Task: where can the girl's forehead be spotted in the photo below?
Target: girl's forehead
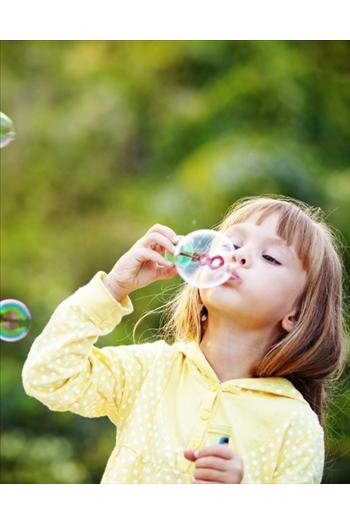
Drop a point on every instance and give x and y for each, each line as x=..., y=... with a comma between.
x=269, y=222
x=265, y=231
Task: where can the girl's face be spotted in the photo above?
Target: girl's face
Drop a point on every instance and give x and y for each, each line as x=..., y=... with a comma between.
x=266, y=282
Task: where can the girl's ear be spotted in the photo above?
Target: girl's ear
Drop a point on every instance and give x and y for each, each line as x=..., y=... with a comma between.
x=289, y=321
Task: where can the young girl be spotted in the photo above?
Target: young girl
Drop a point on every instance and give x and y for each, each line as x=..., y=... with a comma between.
x=247, y=366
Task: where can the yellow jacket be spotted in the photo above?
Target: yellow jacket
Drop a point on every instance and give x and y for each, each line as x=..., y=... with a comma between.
x=165, y=398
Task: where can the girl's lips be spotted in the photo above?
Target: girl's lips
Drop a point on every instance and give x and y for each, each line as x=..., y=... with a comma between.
x=234, y=277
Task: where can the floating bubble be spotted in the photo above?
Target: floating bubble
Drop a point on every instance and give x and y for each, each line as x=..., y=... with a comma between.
x=202, y=258
x=15, y=320
x=7, y=130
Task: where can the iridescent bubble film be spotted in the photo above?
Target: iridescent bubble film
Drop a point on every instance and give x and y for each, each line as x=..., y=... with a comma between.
x=202, y=258
x=7, y=130
x=15, y=320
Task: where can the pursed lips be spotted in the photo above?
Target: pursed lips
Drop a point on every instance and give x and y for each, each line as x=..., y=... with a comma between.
x=234, y=277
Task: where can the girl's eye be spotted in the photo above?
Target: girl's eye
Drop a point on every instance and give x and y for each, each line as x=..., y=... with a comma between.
x=271, y=260
x=236, y=247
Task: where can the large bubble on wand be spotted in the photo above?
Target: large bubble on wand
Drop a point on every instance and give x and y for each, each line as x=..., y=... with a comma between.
x=202, y=258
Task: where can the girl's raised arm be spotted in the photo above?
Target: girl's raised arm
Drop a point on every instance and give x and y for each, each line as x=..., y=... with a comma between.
x=64, y=368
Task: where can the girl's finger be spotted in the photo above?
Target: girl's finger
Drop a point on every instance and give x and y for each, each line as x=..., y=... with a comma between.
x=164, y=230
x=211, y=475
x=212, y=462
x=190, y=455
x=166, y=272
x=155, y=241
x=200, y=481
x=215, y=450
x=147, y=254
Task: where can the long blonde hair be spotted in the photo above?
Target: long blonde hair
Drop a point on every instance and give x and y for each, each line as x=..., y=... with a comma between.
x=313, y=350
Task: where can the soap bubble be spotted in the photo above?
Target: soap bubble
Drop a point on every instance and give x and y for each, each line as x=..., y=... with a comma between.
x=202, y=258
x=15, y=320
x=7, y=130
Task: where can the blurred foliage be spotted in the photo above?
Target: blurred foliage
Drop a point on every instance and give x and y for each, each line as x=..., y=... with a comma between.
x=113, y=136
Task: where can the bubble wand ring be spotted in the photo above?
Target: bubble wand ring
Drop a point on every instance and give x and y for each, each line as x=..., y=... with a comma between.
x=203, y=259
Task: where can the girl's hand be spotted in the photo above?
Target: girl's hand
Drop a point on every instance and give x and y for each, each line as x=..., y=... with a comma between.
x=143, y=263
x=216, y=464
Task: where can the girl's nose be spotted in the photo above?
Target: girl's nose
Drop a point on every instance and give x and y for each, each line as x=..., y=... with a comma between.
x=240, y=257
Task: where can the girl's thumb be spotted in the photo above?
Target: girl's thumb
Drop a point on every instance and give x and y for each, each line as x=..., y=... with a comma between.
x=191, y=455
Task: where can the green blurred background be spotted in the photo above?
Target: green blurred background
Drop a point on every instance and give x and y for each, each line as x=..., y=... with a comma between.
x=113, y=136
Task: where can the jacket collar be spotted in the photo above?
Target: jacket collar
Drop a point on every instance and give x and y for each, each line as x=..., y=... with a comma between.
x=278, y=386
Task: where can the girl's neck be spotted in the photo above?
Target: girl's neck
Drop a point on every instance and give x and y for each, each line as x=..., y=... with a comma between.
x=233, y=354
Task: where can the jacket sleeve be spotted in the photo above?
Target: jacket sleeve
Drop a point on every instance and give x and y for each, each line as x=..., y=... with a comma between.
x=301, y=458
x=65, y=371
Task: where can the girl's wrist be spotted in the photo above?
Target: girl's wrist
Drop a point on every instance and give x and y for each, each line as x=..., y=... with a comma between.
x=119, y=293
